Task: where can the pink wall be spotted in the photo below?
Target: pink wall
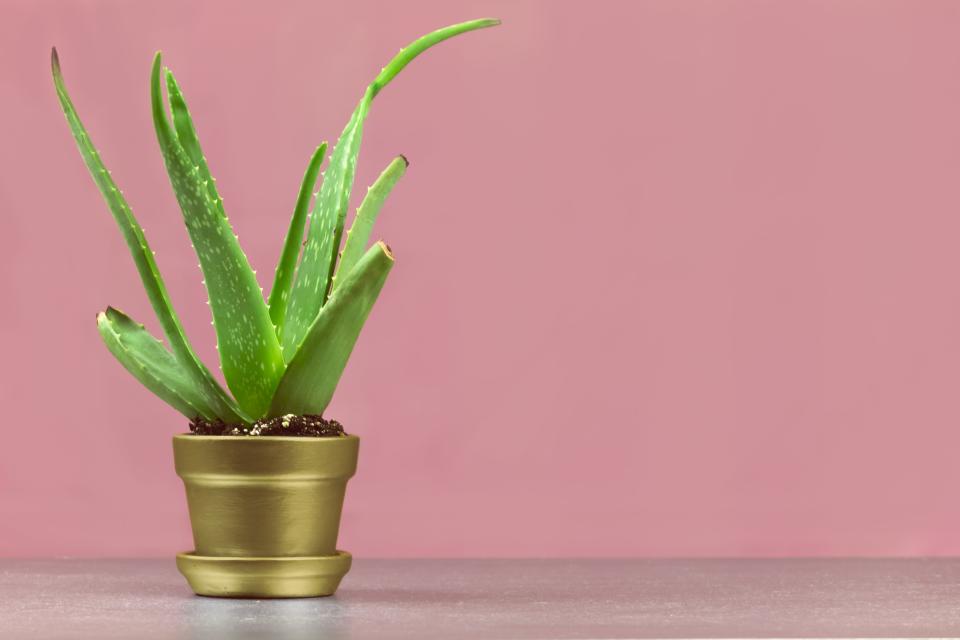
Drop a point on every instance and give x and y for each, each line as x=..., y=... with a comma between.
x=673, y=278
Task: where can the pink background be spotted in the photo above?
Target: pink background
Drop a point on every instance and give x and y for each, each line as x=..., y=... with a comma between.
x=672, y=279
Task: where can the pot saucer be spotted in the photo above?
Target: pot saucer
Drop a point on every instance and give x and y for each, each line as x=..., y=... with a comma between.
x=238, y=577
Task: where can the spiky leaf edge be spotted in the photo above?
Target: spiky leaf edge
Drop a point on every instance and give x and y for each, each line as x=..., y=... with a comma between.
x=287, y=264
x=187, y=136
x=312, y=376
x=151, y=363
x=223, y=405
x=250, y=355
x=359, y=233
x=313, y=278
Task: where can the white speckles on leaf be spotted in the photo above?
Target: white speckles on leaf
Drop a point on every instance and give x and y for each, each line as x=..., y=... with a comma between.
x=240, y=316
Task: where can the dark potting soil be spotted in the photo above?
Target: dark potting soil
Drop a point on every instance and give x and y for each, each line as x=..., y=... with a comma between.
x=308, y=426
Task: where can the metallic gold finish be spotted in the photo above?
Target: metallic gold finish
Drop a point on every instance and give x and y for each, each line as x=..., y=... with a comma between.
x=265, y=512
x=264, y=577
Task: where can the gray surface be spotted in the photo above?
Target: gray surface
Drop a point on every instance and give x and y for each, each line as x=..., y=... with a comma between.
x=498, y=599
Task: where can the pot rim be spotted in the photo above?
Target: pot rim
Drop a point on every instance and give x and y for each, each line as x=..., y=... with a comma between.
x=203, y=438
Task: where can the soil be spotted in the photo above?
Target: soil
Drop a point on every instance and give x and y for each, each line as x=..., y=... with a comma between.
x=307, y=426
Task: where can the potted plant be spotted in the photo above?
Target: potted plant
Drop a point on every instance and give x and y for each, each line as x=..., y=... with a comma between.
x=265, y=473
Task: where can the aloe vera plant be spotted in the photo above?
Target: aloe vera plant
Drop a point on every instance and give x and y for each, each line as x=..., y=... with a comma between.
x=284, y=355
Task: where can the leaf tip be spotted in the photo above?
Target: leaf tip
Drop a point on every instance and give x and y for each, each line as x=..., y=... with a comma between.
x=386, y=249
x=172, y=85
x=406, y=161
x=54, y=61
x=156, y=69
x=109, y=314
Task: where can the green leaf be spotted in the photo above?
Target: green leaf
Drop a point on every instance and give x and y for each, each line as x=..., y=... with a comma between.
x=313, y=276
x=313, y=374
x=411, y=51
x=149, y=361
x=312, y=284
x=214, y=396
x=250, y=353
x=287, y=265
x=187, y=135
x=359, y=234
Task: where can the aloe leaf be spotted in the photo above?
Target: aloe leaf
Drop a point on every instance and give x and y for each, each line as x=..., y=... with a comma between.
x=149, y=361
x=187, y=135
x=287, y=265
x=359, y=234
x=418, y=46
x=250, y=353
x=213, y=395
x=313, y=275
x=312, y=284
x=312, y=375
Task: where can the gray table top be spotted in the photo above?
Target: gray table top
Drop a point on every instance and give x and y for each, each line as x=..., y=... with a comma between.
x=499, y=599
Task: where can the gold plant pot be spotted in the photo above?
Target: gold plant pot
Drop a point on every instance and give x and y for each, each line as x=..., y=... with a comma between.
x=265, y=512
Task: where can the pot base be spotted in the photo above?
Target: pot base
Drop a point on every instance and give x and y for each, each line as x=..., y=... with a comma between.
x=295, y=577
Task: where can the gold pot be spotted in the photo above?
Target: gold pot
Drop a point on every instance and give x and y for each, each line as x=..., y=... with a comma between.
x=265, y=512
